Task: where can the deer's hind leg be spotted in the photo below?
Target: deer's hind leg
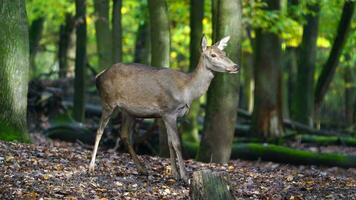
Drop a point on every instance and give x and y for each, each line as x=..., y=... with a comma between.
x=127, y=128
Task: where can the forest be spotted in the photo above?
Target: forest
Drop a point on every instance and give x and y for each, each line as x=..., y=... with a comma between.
x=168, y=99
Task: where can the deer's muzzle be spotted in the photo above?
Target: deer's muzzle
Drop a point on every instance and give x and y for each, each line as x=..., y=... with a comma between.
x=233, y=69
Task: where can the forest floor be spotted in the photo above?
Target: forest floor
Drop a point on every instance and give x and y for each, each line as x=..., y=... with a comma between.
x=54, y=169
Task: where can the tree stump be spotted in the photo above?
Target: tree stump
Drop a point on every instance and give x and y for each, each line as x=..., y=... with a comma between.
x=209, y=185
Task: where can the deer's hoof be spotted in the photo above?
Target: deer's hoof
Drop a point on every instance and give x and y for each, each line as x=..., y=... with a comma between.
x=91, y=168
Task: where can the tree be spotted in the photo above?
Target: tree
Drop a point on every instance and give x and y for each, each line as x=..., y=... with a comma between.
x=304, y=98
x=143, y=41
x=103, y=33
x=116, y=31
x=190, y=127
x=160, y=45
x=222, y=99
x=80, y=61
x=14, y=70
x=329, y=67
x=36, y=30
x=267, y=112
x=65, y=32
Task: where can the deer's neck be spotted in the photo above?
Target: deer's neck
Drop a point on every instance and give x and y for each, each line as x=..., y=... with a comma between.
x=199, y=81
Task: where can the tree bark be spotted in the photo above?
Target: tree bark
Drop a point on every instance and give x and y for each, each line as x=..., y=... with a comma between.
x=65, y=33
x=222, y=99
x=116, y=31
x=329, y=68
x=267, y=112
x=80, y=62
x=14, y=70
x=208, y=185
x=304, y=98
x=190, y=126
x=160, y=46
x=36, y=30
x=103, y=33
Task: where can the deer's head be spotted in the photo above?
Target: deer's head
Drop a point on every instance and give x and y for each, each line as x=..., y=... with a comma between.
x=215, y=58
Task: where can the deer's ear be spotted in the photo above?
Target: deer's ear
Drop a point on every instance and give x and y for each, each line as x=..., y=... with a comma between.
x=204, y=43
x=222, y=43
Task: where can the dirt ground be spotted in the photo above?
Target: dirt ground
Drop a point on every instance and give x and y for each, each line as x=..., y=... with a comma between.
x=58, y=170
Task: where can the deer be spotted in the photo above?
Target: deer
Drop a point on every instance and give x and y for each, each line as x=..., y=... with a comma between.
x=142, y=91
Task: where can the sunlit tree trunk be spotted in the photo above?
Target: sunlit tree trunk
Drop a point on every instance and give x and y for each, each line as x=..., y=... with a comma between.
x=304, y=97
x=65, y=32
x=36, y=30
x=329, y=68
x=80, y=61
x=190, y=125
x=267, y=112
x=160, y=44
x=116, y=31
x=222, y=99
x=14, y=70
x=103, y=33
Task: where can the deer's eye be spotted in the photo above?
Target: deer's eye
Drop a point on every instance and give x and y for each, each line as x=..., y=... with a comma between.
x=213, y=55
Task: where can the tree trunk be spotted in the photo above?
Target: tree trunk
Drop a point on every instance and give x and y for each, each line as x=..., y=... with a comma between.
x=160, y=45
x=329, y=68
x=65, y=33
x=80, y=62
x=14, y=70
x=222, y=99
x=304, y=98
x=350, y=95
x=116, y=31
x=36, y=30
x=291, y=65
x=103, y=33
x=190, y=126
x=248, y=81
x=267, y=113
x=208, y=185
x=143, y=42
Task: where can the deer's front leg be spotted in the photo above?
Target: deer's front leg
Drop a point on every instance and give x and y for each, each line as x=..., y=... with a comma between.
x=172, y=133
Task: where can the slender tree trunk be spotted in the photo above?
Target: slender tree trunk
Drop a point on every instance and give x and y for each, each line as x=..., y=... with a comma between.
x=116, y=31
x=63, y=45
x=248, y=80
x=36, y=30
x=291, y=64
x=222, y=99
x=190, y=127
x=103, y=33
x=80, y=61
x=160, y=44
x=14, y=70
x=267, y=112
x=143, y=44
x=304, y=98
x=329, y=68
x=350, y=94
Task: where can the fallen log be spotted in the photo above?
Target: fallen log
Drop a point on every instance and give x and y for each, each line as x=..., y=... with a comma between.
x=71, y=133
x=328, y=140
x=280, y=154
x=301, y=128
x=208, y=185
